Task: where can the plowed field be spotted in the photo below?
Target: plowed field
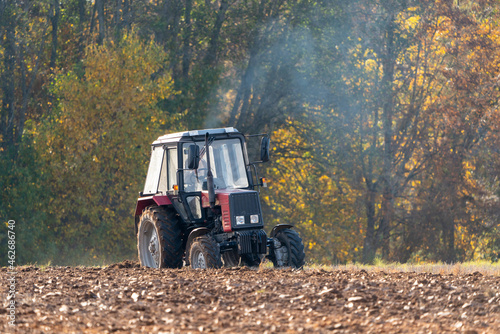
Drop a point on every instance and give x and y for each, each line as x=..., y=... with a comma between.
x=125, y=298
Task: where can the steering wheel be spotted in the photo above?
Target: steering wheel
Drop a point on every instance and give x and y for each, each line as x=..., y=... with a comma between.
x=192, y=177
x=200, y=170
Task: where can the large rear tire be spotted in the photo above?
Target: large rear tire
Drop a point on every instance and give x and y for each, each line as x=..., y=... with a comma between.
x=159, y=239
x=288, y=250
x=204, y=253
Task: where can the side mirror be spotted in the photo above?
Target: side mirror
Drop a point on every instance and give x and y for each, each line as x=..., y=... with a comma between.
x=264, y=149
x=193, y=157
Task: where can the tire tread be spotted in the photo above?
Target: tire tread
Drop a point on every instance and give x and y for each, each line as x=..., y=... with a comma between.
x=211, y=250
x=169, y=233
x=295, y=246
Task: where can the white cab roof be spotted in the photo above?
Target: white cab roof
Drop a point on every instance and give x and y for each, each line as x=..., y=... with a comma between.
x=173, y=137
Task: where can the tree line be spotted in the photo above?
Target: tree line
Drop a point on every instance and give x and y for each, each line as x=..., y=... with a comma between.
x=383, y=117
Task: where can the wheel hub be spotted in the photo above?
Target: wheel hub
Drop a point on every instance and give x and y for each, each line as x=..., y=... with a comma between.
x=200, y=261
x=281, y=253
x=153, y=248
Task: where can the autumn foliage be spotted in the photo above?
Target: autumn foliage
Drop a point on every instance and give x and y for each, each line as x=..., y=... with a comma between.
x=383, y=117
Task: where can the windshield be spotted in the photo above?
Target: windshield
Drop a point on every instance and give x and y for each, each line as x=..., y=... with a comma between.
x=227, y=164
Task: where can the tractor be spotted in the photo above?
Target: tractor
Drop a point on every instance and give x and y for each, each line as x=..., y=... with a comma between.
x=200, y=206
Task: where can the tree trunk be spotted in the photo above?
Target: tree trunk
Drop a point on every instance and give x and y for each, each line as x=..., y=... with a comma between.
x=26, y=89
x=100, y=18
x=186, y=51
x=127, y=14
x=387, y=118
x=8, y=83
x=81, y=32
x=211, y=55
x=170, y=37
x=92, y=22
x=241, y=102
x=118, y=21
x=54, y=19
x=449, y=240
x=243, y=96
x=369, y=243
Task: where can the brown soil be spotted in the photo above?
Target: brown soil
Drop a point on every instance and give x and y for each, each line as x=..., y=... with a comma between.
x=126, y=298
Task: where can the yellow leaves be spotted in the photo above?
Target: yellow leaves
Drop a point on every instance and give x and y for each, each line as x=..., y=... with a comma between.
x=324, y=178
x=370, y=65
x=468, y=166
x=309, y=198
x=410, y=22
x=415, y=183
x=96, y=144
x=469, y=177
x=441, y=51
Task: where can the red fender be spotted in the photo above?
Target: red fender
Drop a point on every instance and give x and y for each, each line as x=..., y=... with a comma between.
x=143, y=202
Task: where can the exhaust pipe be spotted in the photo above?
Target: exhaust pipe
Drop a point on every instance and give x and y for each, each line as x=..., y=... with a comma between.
x=210, y=176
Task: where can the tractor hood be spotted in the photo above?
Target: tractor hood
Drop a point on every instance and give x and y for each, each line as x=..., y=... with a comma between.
x=240, y=208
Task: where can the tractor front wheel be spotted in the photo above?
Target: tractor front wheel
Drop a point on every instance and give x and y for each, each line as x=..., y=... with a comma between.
x=204, y=253
x=159, y=239
x=288, y=249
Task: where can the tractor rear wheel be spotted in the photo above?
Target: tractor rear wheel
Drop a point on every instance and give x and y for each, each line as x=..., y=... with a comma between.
x=159, y=239
x=288, y=249
x=204, y=253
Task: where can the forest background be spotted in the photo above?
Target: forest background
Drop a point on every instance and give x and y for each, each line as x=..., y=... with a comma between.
x=384, y=119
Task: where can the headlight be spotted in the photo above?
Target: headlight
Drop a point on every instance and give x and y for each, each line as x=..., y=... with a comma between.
x=240, y=220
x=254, y=219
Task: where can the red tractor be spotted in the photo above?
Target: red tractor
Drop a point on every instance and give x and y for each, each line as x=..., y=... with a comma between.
x=199, y=206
